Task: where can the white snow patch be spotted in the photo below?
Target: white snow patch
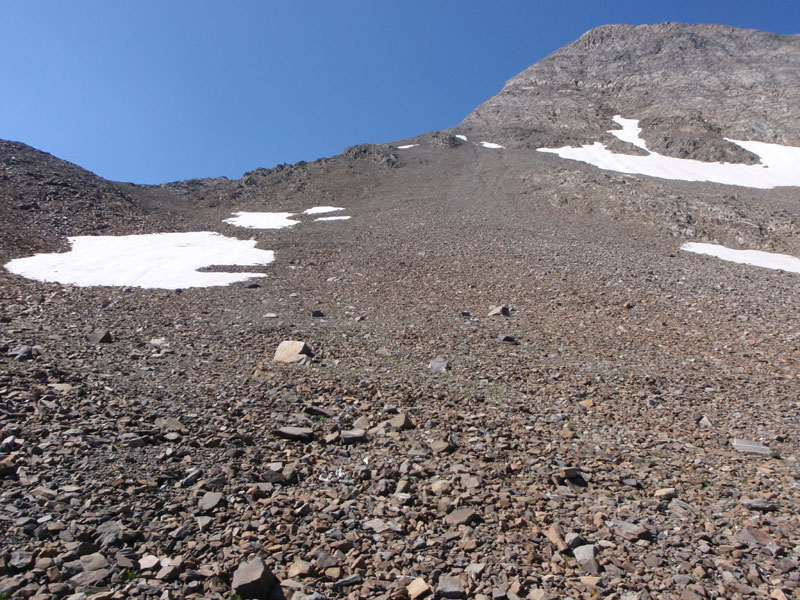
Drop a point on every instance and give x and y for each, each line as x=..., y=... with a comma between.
x=407, y=146
x=768, y=260
x=629, y=133
x=262, y=220
x=321, y=209
x=780, y=165
x=462, y=137
x=492, y=145
x=158, y=260
x=332, y=218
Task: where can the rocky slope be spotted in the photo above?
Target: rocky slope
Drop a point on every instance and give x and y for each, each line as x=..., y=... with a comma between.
x=577, y=444
x=690, y=86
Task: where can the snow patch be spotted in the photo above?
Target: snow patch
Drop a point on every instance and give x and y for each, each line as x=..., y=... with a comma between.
x=342, y=218
x=757, y=258
x=462, y=137
x=407, y=146
x=492, y=145
x=262, y=220
x=630, y=132
x=159, y=260
x=780, y=165
x=321, y=209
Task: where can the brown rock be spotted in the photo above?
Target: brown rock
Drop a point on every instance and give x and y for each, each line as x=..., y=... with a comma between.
x=461, y=516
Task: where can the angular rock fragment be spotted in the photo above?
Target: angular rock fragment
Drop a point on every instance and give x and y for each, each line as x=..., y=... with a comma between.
x=499, y=311
x=439, y=365
x=291, y=351
x=759, y=504
x=297, y=434
x=750, y=447
x=401, y=421
x=556, y=537
x=586, y=556
x=353, y=436
x=461, y=516
x=417, y=589
x=450, y=587
x=630, y=531
x=210, y=501
x=253, y=579
x=100, y=336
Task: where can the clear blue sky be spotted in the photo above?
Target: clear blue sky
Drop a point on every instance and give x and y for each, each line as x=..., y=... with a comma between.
x=158, y=90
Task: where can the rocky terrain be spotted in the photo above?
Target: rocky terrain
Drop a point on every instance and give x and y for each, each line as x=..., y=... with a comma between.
x=520, y=387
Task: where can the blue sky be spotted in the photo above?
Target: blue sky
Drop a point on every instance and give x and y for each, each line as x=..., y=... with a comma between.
x=154, y=91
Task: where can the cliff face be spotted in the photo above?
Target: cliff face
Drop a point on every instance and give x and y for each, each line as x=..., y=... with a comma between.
x=689, y=84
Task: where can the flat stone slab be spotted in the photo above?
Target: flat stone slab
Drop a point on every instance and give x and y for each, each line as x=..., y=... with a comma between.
x=253, y=579
x=461, y=516
x=439, y=365
x=750, y=447
x=297, y=434
x=450, y=587
x=292, y=351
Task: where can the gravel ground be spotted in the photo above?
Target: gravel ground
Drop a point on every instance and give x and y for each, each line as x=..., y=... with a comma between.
x=577, y=444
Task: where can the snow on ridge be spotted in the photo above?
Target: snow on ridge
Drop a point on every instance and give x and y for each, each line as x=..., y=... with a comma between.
x=155, y=261
x=262, y=220
x=316, y=210
x=407, y=146
x=492, y=145
x=463, y=138
x=778, y=167
x=337, y=218
x=757, y=258
x=630, y=131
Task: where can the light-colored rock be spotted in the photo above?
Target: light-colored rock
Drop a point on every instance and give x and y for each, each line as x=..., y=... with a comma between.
x=587, y=558
x=417, y=589
x=292, y=351
x=750, y=447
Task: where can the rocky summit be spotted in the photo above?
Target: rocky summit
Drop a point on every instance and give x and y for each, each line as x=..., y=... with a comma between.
x=520, y=385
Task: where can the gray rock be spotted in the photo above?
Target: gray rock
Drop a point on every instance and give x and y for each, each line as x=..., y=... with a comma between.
x=100, y=336
x=210, y=501
x=252, y=579
x=353, y=436
x=348, y=581
x=499, y=311
x=586, y=556
x=759, y=504
x=750, y=447
x=439, y=365
x=297, y=434
x=21, y=353
x=450, y=587
x=630, y=531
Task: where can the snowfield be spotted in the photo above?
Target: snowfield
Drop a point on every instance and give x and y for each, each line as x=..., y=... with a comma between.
x=262, y=220
x=757, y=258
x=318, y=210
x=780, y=165
x=159, y=260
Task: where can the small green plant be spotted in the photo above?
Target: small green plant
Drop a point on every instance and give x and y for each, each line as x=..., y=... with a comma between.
x=5, y=596
x=235, y=596
x=129, y=575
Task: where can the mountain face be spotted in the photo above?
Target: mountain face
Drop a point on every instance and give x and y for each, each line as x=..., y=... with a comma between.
x=524, y=384
x=689, y=85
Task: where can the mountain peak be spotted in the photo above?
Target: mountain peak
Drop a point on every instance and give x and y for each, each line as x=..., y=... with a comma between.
x=697, y=79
